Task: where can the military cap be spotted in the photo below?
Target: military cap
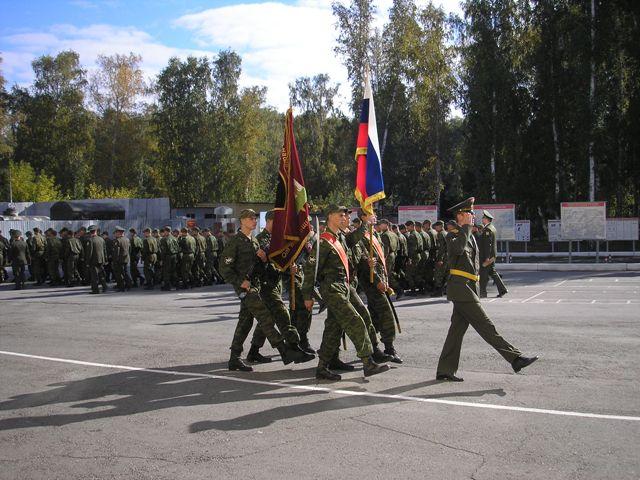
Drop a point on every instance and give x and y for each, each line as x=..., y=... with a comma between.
x=438, y=223
x=92, y=228
x=466, y=206
x=408, y=223
x=333, y=208
x=248, y=213
x=385, y=221
x=271, y=214
x=356, y=221
x=196, y=229
x=184, y=230
x=452, y=223
x=16, y=233
x=132, y=230
x=118, y=228
x=29, y=233
x=205, y=230
x=147, y=229
x=155, y=230
x=487, y=214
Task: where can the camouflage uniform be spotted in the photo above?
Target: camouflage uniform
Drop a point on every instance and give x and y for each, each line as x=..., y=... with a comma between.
x=120, y=262
x=489, y=249
x=149, y=259
x=135, y=253
x=414, y=254
x=441, y=266
x=169, y=250
x=188, y=249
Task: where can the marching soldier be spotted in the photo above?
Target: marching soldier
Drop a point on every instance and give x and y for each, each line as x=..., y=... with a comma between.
x=199, y=261
x=211, y=257
x=121, y=258
x=149, y=258
x=378, y=302
x=424, y=257
x=4, y=253
x=431, y=261
x=241, y=257
x=155, y=233
x=72, y=258
x=462, y=290
x=108, y=256
x=135, y=252
x=401, y=259
x=488, y=255
x=334, y=278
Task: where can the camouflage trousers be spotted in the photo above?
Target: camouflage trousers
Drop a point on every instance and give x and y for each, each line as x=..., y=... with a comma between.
x=381, y=313
x=53, y=269
x=343, y=316
x=169, y=274
x=96, y=272
x=274, y=323
x=465, y=314
x=186, y=264
x=211, y=273
x=135, y=272
x=39, y=268
x=71, y=268
x=300, y=316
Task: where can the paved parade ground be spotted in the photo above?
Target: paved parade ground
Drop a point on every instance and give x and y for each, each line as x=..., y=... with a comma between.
x=135, y=386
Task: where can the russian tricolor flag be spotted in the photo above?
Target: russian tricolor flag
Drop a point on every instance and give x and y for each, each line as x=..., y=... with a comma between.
x=369, y=181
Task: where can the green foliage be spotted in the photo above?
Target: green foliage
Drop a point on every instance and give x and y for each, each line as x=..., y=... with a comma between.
x=27, y=186
x=96, y=191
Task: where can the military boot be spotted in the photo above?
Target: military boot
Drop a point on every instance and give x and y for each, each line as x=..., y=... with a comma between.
x=236, y=363
x=304, y=345
x=255, y=356
x=293, y=353
x=373, y=368
x=337, y=364
x=323, y=372
x=389, y=350
x=380, y=357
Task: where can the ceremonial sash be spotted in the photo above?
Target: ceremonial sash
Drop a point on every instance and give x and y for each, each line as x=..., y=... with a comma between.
x=337, y=246
x=379, y=250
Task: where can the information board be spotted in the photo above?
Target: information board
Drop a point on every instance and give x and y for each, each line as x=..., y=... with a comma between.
x=504, y=219
x=523, y=231
x=622, y=228
x=553, y=229
x=583, y=220
x=417, y=213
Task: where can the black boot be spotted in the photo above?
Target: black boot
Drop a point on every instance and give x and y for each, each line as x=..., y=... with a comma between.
x=373, y=368
x=337, y=364
x=293, y=353
x=522, y=362
x=323, y=373
x=304, y=345
x=389, y=350
x=254, y=355
x=380, y=357
x=236, y=363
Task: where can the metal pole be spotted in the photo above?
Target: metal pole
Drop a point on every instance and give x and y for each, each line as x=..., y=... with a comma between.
x=597, y=251
x=570, y=251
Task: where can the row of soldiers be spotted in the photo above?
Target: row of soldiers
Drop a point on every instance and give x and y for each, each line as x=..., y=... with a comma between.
x=416, y=255
x=170, y=257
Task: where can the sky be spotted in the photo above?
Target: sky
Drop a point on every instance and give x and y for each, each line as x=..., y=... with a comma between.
x=279, y=41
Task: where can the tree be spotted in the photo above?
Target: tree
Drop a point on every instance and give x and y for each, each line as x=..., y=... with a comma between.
x=27, y=186
x=184, y=128
x=53, y=130
x=115, y=89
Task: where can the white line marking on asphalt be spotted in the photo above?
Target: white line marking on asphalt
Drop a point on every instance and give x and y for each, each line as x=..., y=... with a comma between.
x=492, y=300
x=384, y=396
x=593, y=301
x=559, y=301
x=558, y=284
x=534, y=296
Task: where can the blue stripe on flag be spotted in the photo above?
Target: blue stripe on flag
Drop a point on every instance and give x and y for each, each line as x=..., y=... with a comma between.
x=364, y=111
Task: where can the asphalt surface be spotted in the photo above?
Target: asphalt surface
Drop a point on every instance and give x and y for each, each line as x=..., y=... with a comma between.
x=135, y=386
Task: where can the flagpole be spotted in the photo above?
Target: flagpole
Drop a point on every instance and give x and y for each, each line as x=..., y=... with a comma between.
x=371, y=252
x=292, y=289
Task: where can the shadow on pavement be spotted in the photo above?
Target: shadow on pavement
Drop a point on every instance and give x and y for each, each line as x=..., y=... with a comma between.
x=132, y=392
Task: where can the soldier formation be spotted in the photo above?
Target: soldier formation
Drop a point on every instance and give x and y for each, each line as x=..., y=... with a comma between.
x=170, y=258
x=338, y=263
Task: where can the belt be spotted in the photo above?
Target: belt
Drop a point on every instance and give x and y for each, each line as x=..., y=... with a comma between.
x=462, y=273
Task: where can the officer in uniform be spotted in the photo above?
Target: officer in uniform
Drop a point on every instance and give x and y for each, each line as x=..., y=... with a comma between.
x=187, y=255
x=19, y=257
x=462, y=290
x=242, y=265
x=135, y=243
x=121, y=258
x=211, y=257
x=440, y=271
x=333, y=276
x=72, y=258
x=488, y=255
x=149, y=258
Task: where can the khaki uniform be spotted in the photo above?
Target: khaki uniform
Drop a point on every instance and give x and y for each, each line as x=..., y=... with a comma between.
x=489, y=249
